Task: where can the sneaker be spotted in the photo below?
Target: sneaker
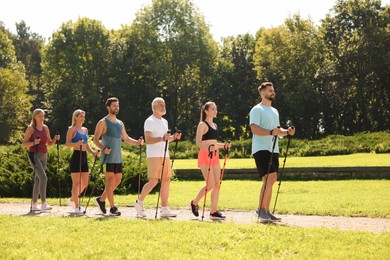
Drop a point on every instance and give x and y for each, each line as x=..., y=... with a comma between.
x=34, y=207
x=101, y=204
x=194, y=209
x=264, y=217
x=79, y=210
x=114, y=211
x=273, y=218
x=71, y=204
x=166, y=213
x=217, y=215
x=45, y=206
x=139, y=206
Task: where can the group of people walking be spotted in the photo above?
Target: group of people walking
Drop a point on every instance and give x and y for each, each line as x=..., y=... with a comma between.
x=108, y=136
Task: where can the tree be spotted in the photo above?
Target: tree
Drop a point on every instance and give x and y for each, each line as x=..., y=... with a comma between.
x=14, y=103
x=289, y=56
x=234, y=87
x=355, y=74
x=76, y=66
x=168, y=52
x=28, y=50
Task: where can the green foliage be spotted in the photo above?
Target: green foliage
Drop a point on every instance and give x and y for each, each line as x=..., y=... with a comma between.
x=14, y=103
x=28, y=46
x=75, y=71
x=329, y=79
x=290, y=56
x=354, y=77
x=17, y=177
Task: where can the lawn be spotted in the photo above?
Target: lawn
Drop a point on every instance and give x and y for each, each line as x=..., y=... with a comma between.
x=117, y=238
x=359, y=159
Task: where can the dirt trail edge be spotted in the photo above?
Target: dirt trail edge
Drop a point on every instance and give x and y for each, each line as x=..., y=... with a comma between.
x=374, y=225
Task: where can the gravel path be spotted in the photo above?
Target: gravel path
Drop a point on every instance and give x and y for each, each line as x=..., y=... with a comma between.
x=374, y=225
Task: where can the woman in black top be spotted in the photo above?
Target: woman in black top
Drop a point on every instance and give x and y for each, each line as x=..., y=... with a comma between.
x=206, y=140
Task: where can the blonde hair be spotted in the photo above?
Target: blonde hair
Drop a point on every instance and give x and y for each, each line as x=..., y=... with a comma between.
x=75, y=114
x=155, y=101
x=34, y=114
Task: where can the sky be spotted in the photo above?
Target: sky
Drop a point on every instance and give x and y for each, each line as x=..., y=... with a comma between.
x=225, y=17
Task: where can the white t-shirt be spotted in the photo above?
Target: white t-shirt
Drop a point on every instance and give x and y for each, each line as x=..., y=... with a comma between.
x=158, y=127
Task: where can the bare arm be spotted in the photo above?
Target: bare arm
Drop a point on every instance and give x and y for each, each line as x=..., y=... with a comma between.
x=27, y=135
x=200, y=131
x=50, y=141
x=99, y=131
x=128, y=139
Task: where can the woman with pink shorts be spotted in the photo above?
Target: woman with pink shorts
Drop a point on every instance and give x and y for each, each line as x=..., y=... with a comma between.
x=206, y=140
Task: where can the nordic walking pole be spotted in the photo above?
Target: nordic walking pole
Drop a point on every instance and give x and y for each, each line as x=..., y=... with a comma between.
x=58, y=166
x=81, y=148
x=140, y=162
x=162, y=174
x=34, y=161
x=174, y=151
x=224, y=164
x=207, y=180
x=281, y=173
x=93, y=187
x=269, y=168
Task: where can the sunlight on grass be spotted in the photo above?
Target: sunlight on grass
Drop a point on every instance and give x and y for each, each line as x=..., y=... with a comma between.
x=116, y=238
x=334, y=198
x=360, y=159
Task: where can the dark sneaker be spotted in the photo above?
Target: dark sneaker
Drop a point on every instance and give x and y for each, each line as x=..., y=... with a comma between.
x=114, y=211
x=194, y=209
x=264, y=217
x=101, y=204
x=217, y=215
x=273, y=218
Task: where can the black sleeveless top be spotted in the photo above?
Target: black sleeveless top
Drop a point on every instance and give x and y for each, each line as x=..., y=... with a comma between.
x=210, y=134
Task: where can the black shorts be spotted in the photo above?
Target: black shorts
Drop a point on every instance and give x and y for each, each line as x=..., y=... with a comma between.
x=114, y=167
x=75, y=162
x=262, y=162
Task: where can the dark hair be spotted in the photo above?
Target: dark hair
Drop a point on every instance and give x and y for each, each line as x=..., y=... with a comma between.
x=110, y=100
x=203, y=110
x=264, y=85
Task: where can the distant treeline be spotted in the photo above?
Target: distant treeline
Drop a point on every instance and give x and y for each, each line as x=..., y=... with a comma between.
x=329, y=79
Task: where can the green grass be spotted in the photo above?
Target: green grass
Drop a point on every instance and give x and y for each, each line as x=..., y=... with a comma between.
x=359, y=159
x=116, y=238
x=334, y=198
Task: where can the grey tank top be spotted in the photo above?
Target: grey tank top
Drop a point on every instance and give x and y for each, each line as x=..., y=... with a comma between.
x=112, y=139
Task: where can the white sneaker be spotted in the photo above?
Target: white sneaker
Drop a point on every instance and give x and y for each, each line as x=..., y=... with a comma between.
x=166, y=213
x=34, y=207
x=139, y=206
x=45, y=206
x=79, y=210
x=71, y=204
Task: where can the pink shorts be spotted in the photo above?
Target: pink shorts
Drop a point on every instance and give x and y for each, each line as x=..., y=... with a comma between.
x=203, y=158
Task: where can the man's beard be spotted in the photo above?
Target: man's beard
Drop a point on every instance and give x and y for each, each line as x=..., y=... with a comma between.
x=114, y=112
x=270, y=98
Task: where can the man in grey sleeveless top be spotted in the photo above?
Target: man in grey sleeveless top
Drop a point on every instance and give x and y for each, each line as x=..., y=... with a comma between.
x=111, y=130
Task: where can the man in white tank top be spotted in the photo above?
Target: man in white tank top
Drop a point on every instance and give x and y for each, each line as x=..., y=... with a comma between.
x=156, y=135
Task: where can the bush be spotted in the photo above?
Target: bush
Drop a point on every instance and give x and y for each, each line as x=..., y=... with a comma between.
x=16, y=175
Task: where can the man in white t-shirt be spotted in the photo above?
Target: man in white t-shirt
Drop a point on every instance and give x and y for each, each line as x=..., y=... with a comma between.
x=156, y=135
